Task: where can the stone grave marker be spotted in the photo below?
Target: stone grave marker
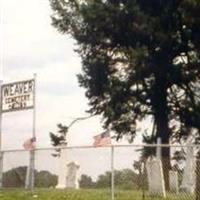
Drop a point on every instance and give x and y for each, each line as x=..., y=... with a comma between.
x=72, y=178
x=189, y=175
x=62, y=173
x=173, y=181
x=155, y=177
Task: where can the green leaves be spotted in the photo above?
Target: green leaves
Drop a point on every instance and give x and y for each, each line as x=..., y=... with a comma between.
x=60, y=137
x=138, y=58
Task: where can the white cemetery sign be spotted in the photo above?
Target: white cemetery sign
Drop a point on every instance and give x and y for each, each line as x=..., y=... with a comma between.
x=189, y=175
x=72, y=178
x=155, y=177
x=173, y=181
x=17, y=96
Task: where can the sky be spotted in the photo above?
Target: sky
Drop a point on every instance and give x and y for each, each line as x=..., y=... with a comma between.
x=29, y=44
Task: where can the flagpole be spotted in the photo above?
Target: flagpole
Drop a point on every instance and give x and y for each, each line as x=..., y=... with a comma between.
x=1, y=153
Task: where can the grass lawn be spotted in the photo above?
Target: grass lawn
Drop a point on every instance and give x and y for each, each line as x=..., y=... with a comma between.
x=52, y=194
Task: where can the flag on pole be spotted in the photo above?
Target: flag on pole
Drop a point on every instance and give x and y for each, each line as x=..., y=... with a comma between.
x=30, y=144
x=102, y=139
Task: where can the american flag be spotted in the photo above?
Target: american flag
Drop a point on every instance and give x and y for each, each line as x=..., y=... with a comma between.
x=102, y=139
x=30, y=144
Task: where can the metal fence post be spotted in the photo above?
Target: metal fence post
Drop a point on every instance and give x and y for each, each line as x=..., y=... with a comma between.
x=32, y=167
x=1, y=169
x=112, y=174
x=198, y=178
x=1, y=153
x=30, y=174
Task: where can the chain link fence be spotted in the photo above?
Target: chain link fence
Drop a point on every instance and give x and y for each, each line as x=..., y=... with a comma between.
x=118, y=172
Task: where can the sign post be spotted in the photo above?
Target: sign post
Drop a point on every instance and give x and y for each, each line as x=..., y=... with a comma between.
x=32, y=152
x=18, y=96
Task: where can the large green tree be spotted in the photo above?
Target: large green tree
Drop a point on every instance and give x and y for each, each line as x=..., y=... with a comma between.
x=124, y=179
x=86, y=182
x=139, y=58
x=16, y=177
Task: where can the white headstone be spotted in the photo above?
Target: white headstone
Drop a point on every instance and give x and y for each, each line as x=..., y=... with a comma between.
x=155, y=177
x=158, y=148
x=62, y=169
x=72, y=178
x=173, y=181
x=189, y=175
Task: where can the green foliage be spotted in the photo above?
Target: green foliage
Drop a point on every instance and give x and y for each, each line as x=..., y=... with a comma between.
x=124, y=179
x=104, y=180
x=139, y=58
x=52, y=194
x=60, y=137
x=45, y=179
x=86, y=182
x=16, y=178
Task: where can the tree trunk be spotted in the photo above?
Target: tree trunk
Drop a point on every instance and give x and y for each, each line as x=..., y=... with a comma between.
x=163, y=133
x=166, y=167
x=162, y=127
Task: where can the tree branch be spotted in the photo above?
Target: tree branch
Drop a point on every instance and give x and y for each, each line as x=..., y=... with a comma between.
x=79, y=119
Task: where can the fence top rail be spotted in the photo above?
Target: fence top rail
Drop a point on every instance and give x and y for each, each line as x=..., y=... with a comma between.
x=111, y=146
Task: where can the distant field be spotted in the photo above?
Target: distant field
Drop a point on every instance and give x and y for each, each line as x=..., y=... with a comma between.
x=51, y=194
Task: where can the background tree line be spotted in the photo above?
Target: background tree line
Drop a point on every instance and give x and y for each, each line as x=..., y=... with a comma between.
x=16, y=178
x=124, y=179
